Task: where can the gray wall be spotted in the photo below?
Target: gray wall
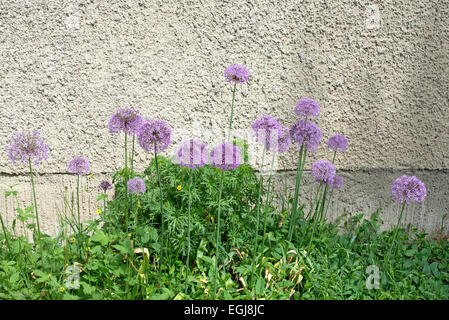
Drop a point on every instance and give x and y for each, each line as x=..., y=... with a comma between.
x=379, y=70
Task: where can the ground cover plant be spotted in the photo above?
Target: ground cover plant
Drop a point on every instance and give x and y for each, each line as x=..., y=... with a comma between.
x=205, y=224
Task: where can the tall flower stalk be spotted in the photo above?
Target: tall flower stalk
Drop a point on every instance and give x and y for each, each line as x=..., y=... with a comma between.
x=235, y=74
x=78, y=166
x=225, y=156
x=308, y=136
x=127, y=120
x=135, y=187
x=28, y=147
x=154, y=136
x=406, y=189
x=192, y=155
x=274, y=137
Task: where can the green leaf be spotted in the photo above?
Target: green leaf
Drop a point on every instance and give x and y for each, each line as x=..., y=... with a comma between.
x=121, y=248
x=100, y=236
x=260, y=285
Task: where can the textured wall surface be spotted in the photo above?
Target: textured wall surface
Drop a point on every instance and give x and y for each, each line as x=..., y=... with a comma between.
x=379, y=69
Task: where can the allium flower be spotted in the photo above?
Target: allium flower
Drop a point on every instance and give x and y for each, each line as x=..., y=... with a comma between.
x=337, y=142
x=225, y=156
x=127, y=120
x=136, y=186
x=307, y=107
x=323, y=171
x=307, y=133
x=284, y=140
x=78, y=165
x=154, y=135
x=336, y=182
x=105, y=186
x=408, y=189
x=267, y=130
x=191, y=154
x=236, y=74
x=27, y=145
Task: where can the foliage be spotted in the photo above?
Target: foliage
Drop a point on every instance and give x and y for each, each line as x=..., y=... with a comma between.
x=323, y=260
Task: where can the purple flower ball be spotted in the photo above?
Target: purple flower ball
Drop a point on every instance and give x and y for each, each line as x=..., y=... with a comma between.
x=191, y=154
x=307, y=108
x=225, y=156
x=323, y=171
x=127, y=120
x=105, y=186
x=267, y=130
x=236, y=74
x=136, y=186
x=154, y=135
x=307, y=133
x=79, y=166
x=408, y=189
x=336, y=182
x=27, y=145
x=337, y=142
x=284, y=140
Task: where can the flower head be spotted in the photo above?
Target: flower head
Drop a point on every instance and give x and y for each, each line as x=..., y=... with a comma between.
x=136, y=186
x=191, y=154
x=105, y=186
x=266, y=129
x=323, y=171
x=408, y=189
x=27, y=145
x=307, y=133
x=284, y=140
x=236, y=74
x=78, y=165
x=179, y=188
x=337, y=142
x=307, y=108
x=336, y=182
x=225, y=156
x=154, y=135
x=127, y=120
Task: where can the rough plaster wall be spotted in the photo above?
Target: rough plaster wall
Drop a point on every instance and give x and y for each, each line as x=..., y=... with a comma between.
x=379, y=70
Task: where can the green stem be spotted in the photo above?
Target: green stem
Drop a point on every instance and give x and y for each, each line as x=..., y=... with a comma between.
x=232, y=111
x=397, y=229
x=323, y=201
x=4, y=233
x=217, y=242
x=299, y=172
x=162, y=216
x=132, y=155
x=266, y=203
x=314, y=201
x=258, y=215
x=78, y=203
x=328, y=202
x=126, y=159
x=188, y=231
x=35, y=201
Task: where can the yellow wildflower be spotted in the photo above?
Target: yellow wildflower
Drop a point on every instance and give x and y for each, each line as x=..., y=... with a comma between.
x=62, y=289
x=179, y=187
x=99, y=211
x=73, y=239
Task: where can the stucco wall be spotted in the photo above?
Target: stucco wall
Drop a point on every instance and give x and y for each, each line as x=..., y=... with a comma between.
x=379, y=69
